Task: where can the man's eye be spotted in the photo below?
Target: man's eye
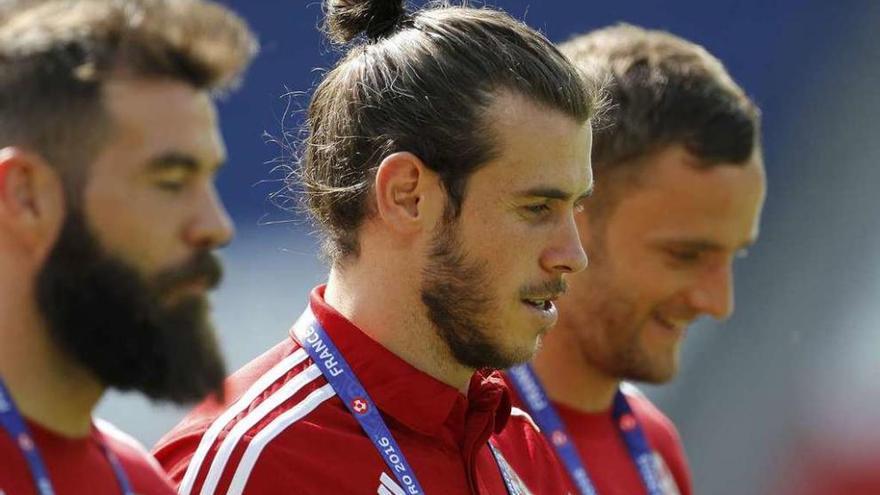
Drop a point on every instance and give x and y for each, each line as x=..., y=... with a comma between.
x=685, y=256
x=537, y=209
x=170, y=185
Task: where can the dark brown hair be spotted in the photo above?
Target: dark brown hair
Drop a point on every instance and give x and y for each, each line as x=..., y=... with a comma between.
x=419, y=82
x=55, y=56
x=663, y=90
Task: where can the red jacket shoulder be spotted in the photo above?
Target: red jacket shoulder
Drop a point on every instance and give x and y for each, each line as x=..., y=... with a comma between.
x=144, y=473
x=218, y=444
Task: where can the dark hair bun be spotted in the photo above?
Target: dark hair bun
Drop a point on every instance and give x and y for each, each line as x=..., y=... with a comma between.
x=346, y=19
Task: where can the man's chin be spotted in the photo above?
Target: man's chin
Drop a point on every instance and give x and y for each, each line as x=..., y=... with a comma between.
x=530, y=351
x=184, y=364
x=521, y=354
x=655, y=375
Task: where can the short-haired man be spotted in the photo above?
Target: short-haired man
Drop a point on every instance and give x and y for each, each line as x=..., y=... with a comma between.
x=108, y=217
x=447, y=155
x=681, y=187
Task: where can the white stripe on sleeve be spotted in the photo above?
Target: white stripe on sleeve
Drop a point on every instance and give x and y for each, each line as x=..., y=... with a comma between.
x=288, y=390
x=255, y=390
x=260, y=440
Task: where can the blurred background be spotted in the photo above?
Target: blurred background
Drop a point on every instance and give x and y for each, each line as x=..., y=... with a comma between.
x=781, y=399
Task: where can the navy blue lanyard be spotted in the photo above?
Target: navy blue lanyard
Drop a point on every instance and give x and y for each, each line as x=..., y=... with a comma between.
x=15, y=427
x=336, y=370
x=538, y=404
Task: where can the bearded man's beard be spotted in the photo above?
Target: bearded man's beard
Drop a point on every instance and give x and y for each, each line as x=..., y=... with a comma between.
x=121, y=326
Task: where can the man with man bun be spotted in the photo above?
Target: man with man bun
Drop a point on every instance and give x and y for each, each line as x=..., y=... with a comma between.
x=109, y=144
x=447, y=154
x=678, y=161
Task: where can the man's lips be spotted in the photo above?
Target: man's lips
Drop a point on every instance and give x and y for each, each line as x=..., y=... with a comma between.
x=671, y=324
x=203, y=272
x=541, y=302
x=542, y=295
x=195, y=286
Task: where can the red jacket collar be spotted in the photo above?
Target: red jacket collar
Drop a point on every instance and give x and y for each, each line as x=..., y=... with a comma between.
x=410, y=396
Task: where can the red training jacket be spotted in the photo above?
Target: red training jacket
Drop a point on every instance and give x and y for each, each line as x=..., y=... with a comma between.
x=284, y=430
x=604, y=453
x=78, y=465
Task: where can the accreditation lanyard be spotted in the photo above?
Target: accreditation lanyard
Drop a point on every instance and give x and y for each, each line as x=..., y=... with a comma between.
x=14, y=424
x=535, y=397
x=512, y=481
x=336, y=370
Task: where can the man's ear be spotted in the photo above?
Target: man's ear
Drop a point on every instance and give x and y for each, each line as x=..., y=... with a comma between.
x=31, y=200
x=408, y=194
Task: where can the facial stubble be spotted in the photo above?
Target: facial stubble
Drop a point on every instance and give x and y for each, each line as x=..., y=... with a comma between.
x=614, y=327
x=457, y=292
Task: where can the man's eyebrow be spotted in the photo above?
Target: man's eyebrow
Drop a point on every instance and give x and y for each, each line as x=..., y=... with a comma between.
x=555, y=193
x=175, y=159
